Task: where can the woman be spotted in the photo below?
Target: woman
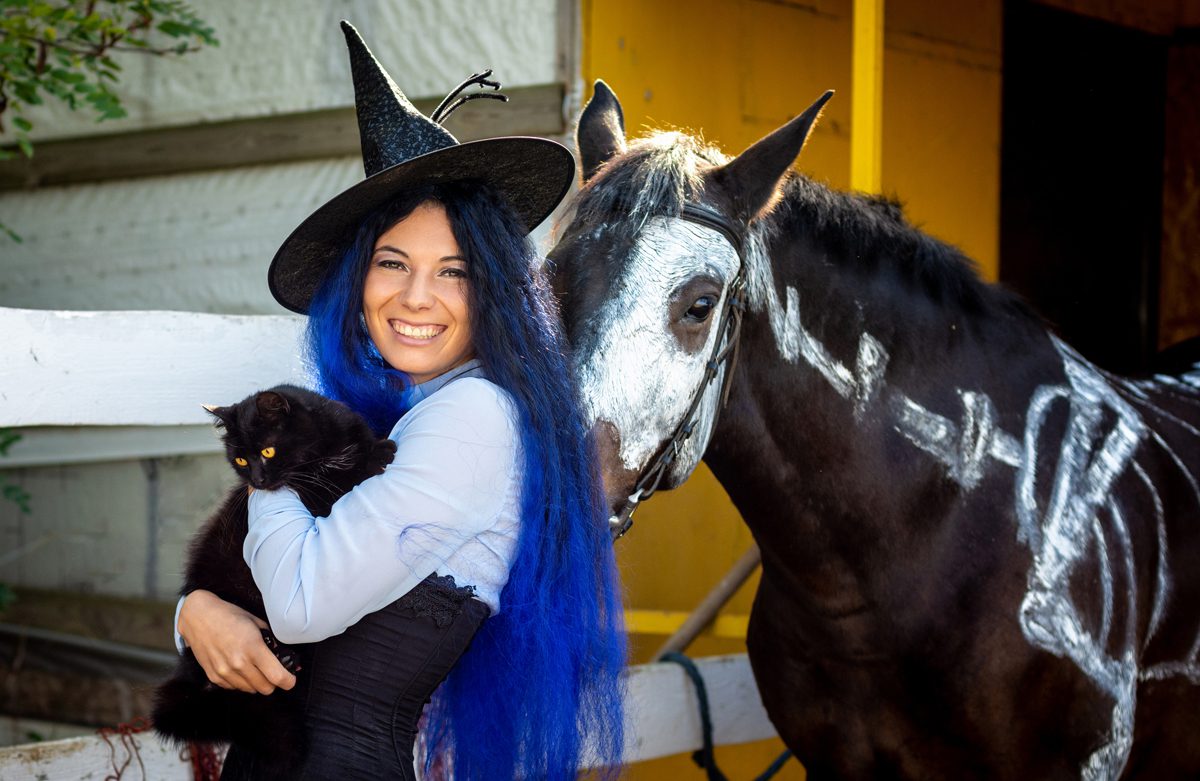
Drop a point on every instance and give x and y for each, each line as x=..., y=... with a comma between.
x=425, y=301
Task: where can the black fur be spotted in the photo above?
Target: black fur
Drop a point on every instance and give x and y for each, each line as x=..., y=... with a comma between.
x=885, y=634
x=321, y=449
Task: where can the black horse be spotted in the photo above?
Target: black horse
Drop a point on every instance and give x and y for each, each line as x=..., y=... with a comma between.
x=981, y=553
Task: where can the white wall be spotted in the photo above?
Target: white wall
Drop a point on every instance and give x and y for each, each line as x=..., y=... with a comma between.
x=199, y=242
x=202, y=241
x=279, y=56
x=111, y=505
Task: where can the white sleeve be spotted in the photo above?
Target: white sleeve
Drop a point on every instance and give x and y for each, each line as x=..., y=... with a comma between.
x=454, y=471
x=180, y=643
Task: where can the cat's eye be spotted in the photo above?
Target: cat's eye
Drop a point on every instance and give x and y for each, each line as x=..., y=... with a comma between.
x=240, y=461
x=268, y=452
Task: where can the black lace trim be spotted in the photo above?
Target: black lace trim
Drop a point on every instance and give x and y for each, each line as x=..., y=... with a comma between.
x=438, y=598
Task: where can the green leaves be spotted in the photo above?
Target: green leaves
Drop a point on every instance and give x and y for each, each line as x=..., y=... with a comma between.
x=17, y=495
x=10, y=491
x=8, y=438
x=68, y=49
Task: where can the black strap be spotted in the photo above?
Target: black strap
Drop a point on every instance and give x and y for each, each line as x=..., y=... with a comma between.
x=705, y=215
x=705, y=759
x=725, y=351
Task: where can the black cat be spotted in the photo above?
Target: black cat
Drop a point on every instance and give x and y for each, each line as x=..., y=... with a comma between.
x=285, y=436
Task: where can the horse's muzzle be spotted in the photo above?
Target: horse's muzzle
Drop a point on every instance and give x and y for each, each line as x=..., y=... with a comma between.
x=618, y=479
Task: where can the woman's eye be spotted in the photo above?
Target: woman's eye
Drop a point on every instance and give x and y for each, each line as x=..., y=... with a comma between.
x=389, y=263
x=701, y=309
x=455, y=273
x=268, y=452
x=240, y=461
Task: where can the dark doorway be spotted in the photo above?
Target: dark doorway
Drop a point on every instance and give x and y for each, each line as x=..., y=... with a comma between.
x=1081, y=178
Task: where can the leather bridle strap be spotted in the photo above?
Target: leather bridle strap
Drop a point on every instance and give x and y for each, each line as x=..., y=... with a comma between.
x=725, y=351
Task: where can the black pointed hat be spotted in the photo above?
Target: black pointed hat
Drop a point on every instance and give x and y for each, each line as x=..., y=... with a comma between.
x=401, y=149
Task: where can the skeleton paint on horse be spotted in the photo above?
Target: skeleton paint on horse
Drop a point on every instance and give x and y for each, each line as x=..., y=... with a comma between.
x=981, y=553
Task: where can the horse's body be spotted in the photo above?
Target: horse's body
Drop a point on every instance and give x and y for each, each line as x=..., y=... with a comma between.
x=981, y=554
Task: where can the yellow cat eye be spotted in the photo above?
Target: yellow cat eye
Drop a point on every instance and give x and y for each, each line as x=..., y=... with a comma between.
x=240, y=461
x=268, y=452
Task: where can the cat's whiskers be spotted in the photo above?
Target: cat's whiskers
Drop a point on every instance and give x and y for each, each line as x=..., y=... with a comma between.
x=311, y=480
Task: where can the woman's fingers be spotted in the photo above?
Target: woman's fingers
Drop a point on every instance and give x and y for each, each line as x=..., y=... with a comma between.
x=228, y=644
x=245, y=674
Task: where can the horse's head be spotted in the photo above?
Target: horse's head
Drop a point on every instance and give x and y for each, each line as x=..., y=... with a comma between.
x=644, y=289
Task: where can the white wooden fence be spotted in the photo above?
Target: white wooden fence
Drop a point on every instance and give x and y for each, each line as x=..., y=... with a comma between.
x=93, y=386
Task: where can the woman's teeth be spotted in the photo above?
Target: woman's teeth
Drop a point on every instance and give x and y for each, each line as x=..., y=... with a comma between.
x=417, y=331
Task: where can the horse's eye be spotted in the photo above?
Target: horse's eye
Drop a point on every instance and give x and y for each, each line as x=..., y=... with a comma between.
x=701, y=309
x=268, y=452
x=240, y=461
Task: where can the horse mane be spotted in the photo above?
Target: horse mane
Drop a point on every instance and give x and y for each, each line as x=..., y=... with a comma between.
x=662, y=170
x=652, y=178
x=871, y=234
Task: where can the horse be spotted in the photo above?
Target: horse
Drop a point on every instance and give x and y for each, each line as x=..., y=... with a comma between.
x=980, y=552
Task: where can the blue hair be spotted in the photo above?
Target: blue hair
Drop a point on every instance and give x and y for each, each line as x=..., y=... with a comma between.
x=540, y=685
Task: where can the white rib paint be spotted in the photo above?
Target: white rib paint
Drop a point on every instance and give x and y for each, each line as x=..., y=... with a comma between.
x=1104, y=433
x=1162, y=584
x=1091, y=456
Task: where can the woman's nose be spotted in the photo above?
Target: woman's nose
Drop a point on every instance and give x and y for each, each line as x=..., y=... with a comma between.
x=418, y=294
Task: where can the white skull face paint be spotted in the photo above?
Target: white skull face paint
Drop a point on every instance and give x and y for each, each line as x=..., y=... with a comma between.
x=639, y=377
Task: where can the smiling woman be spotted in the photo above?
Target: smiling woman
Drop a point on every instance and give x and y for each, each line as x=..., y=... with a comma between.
x=415, y=296
x=484, y=540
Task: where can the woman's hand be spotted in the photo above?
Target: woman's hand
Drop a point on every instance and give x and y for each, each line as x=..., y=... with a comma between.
x=228, y=644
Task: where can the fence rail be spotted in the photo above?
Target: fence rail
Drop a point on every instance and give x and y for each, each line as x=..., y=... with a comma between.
x=94, y=385
x=662, y=719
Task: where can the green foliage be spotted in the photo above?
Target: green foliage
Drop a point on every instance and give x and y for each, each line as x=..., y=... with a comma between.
x=64, y=49
x=11, y=491
x=14, y=493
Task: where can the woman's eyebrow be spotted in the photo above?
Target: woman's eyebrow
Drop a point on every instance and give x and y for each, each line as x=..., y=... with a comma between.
x=398, y=251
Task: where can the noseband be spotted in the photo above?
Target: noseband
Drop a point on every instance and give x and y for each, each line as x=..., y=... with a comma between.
x=725, y=350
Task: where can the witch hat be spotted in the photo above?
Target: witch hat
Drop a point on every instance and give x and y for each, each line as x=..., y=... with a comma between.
x=402, y=149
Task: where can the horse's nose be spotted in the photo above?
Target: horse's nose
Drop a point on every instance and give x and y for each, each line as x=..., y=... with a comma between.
x=618, y=479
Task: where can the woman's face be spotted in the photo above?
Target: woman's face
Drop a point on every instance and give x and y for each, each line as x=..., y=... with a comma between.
x=415, y=296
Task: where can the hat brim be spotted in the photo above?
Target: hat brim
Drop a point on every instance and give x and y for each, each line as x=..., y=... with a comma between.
x=532, y=174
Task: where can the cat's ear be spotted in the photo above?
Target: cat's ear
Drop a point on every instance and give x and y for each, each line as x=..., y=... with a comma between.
x=271, y=404
x=222, y=414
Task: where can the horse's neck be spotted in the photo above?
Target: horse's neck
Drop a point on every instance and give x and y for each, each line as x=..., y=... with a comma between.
x=840, y=374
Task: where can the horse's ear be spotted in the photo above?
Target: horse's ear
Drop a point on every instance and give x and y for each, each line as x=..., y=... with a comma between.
x=750, y=179
x=601, y=131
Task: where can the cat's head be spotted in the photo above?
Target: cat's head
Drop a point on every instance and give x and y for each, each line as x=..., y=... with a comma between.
x=269, y=437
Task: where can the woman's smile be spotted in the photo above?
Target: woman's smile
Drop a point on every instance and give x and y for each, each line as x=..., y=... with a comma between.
x=415, y=296
x=420, y=334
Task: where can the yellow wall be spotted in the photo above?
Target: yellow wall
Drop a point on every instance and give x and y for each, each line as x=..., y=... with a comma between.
x=734, y=70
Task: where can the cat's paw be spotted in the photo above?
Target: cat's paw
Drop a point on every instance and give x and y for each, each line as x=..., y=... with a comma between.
x=382, y=453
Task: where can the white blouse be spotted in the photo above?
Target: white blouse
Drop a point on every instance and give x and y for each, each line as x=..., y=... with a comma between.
x=448, y=503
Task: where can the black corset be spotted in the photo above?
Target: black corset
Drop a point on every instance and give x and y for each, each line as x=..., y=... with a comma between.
x=364, y=689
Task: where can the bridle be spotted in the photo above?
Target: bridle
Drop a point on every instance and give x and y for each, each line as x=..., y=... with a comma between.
x=725, y=350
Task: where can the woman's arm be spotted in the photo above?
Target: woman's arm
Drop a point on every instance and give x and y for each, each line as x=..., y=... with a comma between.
x=454, y=472
x=228, y=644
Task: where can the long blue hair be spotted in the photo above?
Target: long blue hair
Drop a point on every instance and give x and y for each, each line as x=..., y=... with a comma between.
x=539, y=690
